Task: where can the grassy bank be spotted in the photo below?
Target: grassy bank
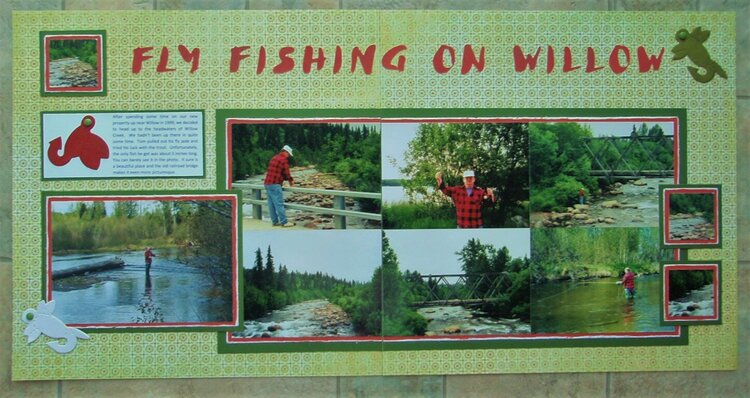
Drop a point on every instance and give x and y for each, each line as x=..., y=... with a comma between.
x=418, y=216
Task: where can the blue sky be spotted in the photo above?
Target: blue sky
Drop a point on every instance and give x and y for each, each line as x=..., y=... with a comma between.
x=352, y=255
x=433, y=251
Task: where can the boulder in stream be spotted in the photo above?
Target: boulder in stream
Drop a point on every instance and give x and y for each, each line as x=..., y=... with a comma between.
x=453, y=329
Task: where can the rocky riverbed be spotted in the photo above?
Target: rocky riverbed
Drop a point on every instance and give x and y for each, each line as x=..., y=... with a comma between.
x=307, y=319
x=634, y=204
x=698, y=302
x=71, y=72
x=457, y=320
x=690, y=227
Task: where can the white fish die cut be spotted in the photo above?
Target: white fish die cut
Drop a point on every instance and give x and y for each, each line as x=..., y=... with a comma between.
x=41, y=321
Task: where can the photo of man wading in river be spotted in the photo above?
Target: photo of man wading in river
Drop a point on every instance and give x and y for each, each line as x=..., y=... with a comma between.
x=628, y=283
x=148, y=255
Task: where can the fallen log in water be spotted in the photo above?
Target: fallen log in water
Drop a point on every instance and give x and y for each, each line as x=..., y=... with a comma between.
x=85, y=268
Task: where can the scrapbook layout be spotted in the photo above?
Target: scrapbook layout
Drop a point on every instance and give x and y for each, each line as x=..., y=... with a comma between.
x=318, y=193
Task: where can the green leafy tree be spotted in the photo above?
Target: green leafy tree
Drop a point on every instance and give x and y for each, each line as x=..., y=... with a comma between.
x=484, y=265
x=585, y=252
x=384, y=308
x=693, y=203
x=126, y=209
x=211, y=227
x=561, y=165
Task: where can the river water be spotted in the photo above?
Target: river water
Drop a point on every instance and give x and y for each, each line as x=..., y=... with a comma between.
x=397, y=194
x=596, y=306
x=174, y=292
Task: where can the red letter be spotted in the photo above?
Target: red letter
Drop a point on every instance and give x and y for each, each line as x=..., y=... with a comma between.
x=614, y=59
x=523, y=61
x=437, y=60
x=287, y=63
x=550, y=59
x=261, y=61
x=646, y=62
x=308, y=60
x=470, y=60
x=390, y=54
x=338, y=60
x=568, y=61
x=236, y=57
x=164, y=61
x=591, y=61
x=139, y=55
x=365, y=59
x=190, y=56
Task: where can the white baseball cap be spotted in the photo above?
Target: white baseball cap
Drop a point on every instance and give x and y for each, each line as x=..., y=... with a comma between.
x=288, y=149
x=468, y=173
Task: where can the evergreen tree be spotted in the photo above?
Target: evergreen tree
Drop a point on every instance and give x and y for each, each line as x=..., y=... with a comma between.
x=268, y=272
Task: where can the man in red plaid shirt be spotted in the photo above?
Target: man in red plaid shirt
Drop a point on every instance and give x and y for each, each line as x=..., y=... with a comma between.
x=468, y=199
x=277, y=172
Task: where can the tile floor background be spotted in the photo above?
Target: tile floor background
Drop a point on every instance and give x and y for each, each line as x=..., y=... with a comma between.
x=662, y=384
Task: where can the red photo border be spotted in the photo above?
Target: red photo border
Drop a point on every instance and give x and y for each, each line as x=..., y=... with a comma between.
x=234, y=199
x=688, y=190
x=229, y=122
x=691, y=267
x=99, y=38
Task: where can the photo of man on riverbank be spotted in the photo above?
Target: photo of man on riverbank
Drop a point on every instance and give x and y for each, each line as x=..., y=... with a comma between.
x=335, y=169
x=99, y=273
x=578, y=276
x=615, y=167
x=276, y=173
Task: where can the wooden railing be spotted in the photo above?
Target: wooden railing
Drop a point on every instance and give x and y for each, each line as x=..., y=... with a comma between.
x=339, y=202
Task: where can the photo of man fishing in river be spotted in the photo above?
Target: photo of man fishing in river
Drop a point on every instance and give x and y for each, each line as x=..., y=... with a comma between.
x=97, y=276
x=578, y=284
x=149, y=256
x=628, y=283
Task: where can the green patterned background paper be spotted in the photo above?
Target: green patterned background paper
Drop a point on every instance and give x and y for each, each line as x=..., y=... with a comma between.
x=710, y=152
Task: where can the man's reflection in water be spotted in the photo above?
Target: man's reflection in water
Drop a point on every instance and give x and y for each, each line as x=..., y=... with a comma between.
x=149, y=311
